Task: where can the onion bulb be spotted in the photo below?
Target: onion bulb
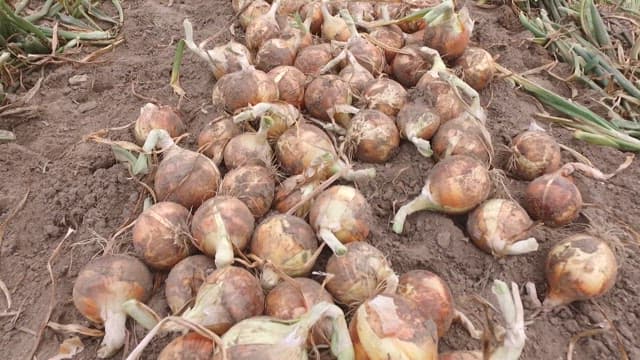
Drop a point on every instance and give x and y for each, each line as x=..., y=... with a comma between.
x=368, y=55
x=477, y=67
x=185, y=279
x=312, y=10
x=362, y=11
x=333, y=27
x=409, y=65
x=191, y=346
x=281, y=116
x=385, y=95
x=290, y=82
x=221, y=224
x=254, y=185
x=253, y=11
x=534, y=153
x=292, y=191
x=161, y=235
x=500, y=227
x=312, y=59
x=390, y=327
x=417, y=122
x=276, y=52
x=287, y=243
x=215, y=136
x=324, y=96
x=356, y=75
x=153, y=116
x=101, y=288
x=454, y=185
x=340, y=215
x=374, y=136
x=463, y=135
x=447, y=31
x=579, y=268
x=431, y=295
x=461, y=355
x=360, y=274
x=263, y=28
x=391, y=38
x=242, y=88
x=249, y=148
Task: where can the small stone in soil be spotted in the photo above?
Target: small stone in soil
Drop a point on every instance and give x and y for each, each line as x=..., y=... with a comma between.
x=78, y=79
x=443, y=239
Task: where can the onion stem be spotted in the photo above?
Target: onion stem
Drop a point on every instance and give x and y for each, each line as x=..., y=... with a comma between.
x=522, y=247
x=421, y=202
x=207, y=310
x=141, y=313
x=114, y=333
x=222, y=243
x=423, y=146
x=332, y=241
x=269, y=278
x=512, y=311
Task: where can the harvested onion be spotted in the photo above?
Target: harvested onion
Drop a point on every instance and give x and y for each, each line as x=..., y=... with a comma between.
x=281, y=117
x=356, y=75
x=368, y=55
x=263, y=28
x=312, y=10
x=153, y=116
x=324, y=97
x=373, y=135
x=253, y=11
x=185, y=279
x=391, y=37
x=438, y=92
x=292, y=191
x=333, y=27
x=463, y=135
x=312, y=59
x=534, y=153
x=191, y=346
x=409, y=65
x=447, y=31
x=250, y=148
x=215, y=136
x=254, y=185
x=290, y=82
x=477, y=67
x=417, y=122
x=385, y=95
x=461, y=355
x=245, y=87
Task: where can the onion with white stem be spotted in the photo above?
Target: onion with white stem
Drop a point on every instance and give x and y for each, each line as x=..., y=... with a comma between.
x=463, y=135
x=360, y=274
x=447, y=31
x=361, y=10
x=390, y=327
x=215, y=135
x=312, y=59
x=534, y=153
x=185, y=279
x=263, y=28
x=312, y=10
x=292, y=191
x=220, y=225
x=579, y=268
x=161, y=235
x=282, y=116
x=153, y=116
x=438, y=92
x=245, y=87
x=290, y=7
x=250, y=148
x=477, y=67
x=291, y=83
x=418, y=123
x=286, y=243
x=268, y=338
x=324, y=96
x=500, y=227
x=356, y=75
x=253, y=11
x=454, y=185
x=368, y=55
x=101, y=288
x=410, y=65
x=282, y=51
x=414, y=38
x=183, y=176
x=385, y=95
x=373, y=135
x=191, y=346
x=333, y=27
x=254, y=185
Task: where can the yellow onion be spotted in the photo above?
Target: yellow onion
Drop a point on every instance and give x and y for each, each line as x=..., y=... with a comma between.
x=253, y=11
x=221, y=224
x=254, y=185
x=500, y=227
x=250, y=148
x=161, y=235
x=385, y=95
x=454, y=185
x=290, y=82
x=461, y=355
x=312, y=10
x=101, y=288
x=290, y=7
x=153, y=116
x=292, y=191
x=391, y=37
x=333, y=27
x=245, y=87
x=447, y=31
x=418, y=123
x=410, y=65
x=415, y=38
x=374, y=136
x=534, y=153
x=292, y=299
x=185, y=279
x=361, y=11
x=191, y=346
x=431, y=295
x=215, y=136
x=282, y=51
x=281, y=116
x=312, y=59
x=324, y=96
x=477, y=67
x=579, y=268
x=340, y=215
x=287, y=243
x=262, y=28
x=390, y=327
x=368, y=55
x=360, y=274
x=463, y=135
x=356, y=75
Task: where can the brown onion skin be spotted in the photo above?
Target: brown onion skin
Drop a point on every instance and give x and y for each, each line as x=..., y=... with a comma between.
x=275, y=52
x=431, y=295
x=417, y=119
x=256, y=9
x=291, y=191
x=185, y=279
x=450, y=38
x=260, y=30
x=461, y=355
x=313, y=9
x=186, y=177
x=107, y=279
x=242, y=88
x=535, y=153
x=158, y=117
x=357, y=78
x=385, y=95
x=323, y=93
x=461, y=136
x=441, y=96
x=354, y=222
x=290, y=85
x=414, y=38
x=161, y=235
x=390, y=36
x=215, y=136
x=191, y=346
x=298, y=147
x=375, y=134
x=290, y=7
x=254, y=185
x=247, y=149
x=409, y=67
x=312, y=58
x=477, y=67
x=368, y=55
x=554, y=199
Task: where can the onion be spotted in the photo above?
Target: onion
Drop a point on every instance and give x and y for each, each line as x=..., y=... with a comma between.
x=500, y=227
x=290, y=82
x=447, y=31
x=281, y=117
x=385, y=95
x=256, y=9
x=415, y=38
x=333, y=27
x=579, y=268
x=250, y=148
x=191, y=346
x=324, y=96
x=221, y=224
x=290, y=7
x=463, y=135
x=291, y=192
x=477, y=67
x=356, y=75
x=242, y=88
x=431, y=295
x=254, y=185
x=534, y=153
x=313, y=58
x=374, y=136
x=101, y=288
x=361, y=11
x=454, y=185
x=185, y=279
x=153, y=116
x=312, y=10
x=227, y=296
x=417, y=122
x=360, y=274
x=390, y=37
x=276, y=52
x=461, y=355
x=390, y=327
x=215, y=136
x=409, y=65
x=340, y=215
x=161, y=235
x=288, y=244
x=263, y=28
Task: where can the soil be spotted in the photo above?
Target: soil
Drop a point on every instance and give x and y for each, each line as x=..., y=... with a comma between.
x=75, y=184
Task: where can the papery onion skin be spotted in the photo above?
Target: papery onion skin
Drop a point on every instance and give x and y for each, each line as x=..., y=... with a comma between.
x=385, y=95
x=161, y=235
x=459, y=197
x=275, y=52
x=553, y=199
x=415, y=38
x=158, y=117
x=333, y=27
x=579, y=268
x=391, y=37
x=242, y=88
x=409, y=66
x=461, y=136
x=417, y=119
x=254, y=185
x=477, y=67
x=249, y=148
x=313, y=58
x=253, y=11
x=215, y=136
x=323, y=94
x=191, y=346
x=441, y=96
x=534, y=153
x=431, y=295
x=298, y=147
x=461, y=355
x=375, y=135
x=290, y=82
x=229, y=58
x=368, y=55
x=357, y=77
x=450, y=38
x=185, y=279
x=262, y=28
x=313, y=10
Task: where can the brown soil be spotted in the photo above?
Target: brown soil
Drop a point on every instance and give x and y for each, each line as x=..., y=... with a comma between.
x=76, y=184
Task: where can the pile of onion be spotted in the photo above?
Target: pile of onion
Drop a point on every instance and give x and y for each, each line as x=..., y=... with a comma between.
x=153, y=116
x=185, y=279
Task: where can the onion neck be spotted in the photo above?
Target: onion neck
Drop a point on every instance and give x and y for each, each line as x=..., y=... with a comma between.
x=475, y=108
x=271, y=14
x=114, y=333
x=332, y=241
x=349, y=174
x=141, y=313
x=423, y=146
x=158, y=138
x=334, y=62
x=437, y=64
x=522, y=247
x=221, y=242
x=351, y=24
x=269, y=278
x=421, y=202
x=512, y=311
x=440, y=13
x=208, y=310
